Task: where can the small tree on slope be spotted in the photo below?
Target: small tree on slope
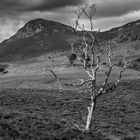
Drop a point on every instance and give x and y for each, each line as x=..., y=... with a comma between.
x=72, y=58
x=92, y=49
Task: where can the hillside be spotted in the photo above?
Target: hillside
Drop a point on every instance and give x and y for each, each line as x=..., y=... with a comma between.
x=40, y=36
x=36, y=38
x=126, y=33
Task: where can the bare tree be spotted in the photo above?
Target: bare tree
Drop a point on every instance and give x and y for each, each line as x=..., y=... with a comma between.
x=54, y=74
x=93, y=50
x=56, y=78
x=72, y=57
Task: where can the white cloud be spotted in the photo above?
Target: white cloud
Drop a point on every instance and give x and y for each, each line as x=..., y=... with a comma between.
x=111, y=22
x=9, y=27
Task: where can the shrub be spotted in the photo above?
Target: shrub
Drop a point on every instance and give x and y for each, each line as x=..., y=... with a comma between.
x=138, y=59
x=120, y=63
x=72, y=58
x=104, y=63
x=134, y=65
x=3, y=67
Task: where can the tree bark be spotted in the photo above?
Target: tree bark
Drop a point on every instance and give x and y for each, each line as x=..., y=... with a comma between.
x=90, y=113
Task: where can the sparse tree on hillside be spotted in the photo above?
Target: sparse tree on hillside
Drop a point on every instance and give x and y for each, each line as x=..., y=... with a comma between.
x=47, y=69
x=93, y=50
x=72, y=58
x=56, y=78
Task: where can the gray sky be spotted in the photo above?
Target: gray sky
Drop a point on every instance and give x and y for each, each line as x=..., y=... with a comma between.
x=110, y=13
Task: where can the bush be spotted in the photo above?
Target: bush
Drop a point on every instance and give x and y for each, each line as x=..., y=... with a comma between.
x=138, y=59
x=3, y=67
x=72, y=58
x=134, y=65
x=104, y=63
x=120, y=63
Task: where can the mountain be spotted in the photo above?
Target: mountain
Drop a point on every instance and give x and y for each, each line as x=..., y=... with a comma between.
x=36, y=38
x=40, y=36
x=126, y=33
x=36, y=26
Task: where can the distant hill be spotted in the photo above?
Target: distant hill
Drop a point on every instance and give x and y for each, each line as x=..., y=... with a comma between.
x=40, y=36
x=126, y=33
x=36, y=38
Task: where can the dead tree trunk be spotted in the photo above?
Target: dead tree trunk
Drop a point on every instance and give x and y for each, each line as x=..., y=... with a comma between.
x=90, y=112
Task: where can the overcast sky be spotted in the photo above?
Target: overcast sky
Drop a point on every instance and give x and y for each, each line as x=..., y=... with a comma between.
x=110, y=13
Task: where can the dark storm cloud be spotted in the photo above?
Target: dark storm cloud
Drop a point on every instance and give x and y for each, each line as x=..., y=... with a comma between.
x=52, y=4
x=8, y=7
x=106, y=8
x=110, y=13
x=111, y=8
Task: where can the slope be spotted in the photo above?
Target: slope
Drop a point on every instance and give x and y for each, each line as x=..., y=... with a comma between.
x=36, y=38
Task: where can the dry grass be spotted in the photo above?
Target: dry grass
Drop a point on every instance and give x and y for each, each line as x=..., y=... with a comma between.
x=46, y=114
x=32, y=108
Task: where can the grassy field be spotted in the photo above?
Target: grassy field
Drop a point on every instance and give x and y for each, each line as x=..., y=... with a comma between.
x=48, y=114
x=31, y=106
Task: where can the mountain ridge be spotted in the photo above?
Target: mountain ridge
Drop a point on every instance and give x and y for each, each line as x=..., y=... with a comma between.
x=36, y=26
x=35, y=38
x=40, y=36
x=127, y=32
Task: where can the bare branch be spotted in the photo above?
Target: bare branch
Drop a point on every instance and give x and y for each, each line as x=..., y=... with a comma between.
x=109, y=54
x=120, y=74
x=89, y=11
x=94, y=43
x=52, y=73
x=57, y=79
x=89, y=74
x=111, y=86
x=84, y=82
x=99, y=57
x=108, y=72
x=78, y=13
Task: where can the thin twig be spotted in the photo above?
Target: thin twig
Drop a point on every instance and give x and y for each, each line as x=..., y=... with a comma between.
x=57, y=79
